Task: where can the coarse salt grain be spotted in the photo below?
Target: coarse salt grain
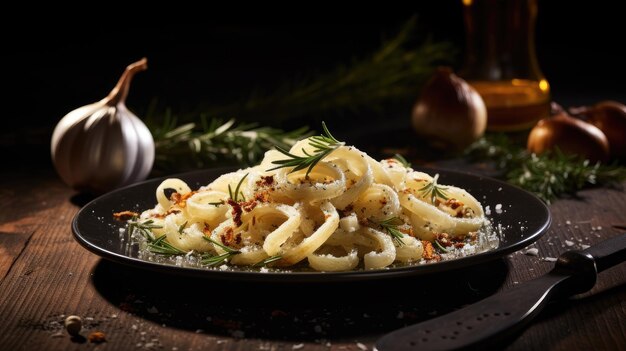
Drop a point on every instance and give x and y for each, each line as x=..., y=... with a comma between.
x=549, y=259
x=361, y=346
x=584, y=247
x=568, y=222
x=499, y=208
x=487, y=210
x=297, y=346
x=532, y=251
x=569, y=243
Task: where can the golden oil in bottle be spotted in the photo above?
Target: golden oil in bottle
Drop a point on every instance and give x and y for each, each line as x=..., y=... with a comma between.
x=501, y=64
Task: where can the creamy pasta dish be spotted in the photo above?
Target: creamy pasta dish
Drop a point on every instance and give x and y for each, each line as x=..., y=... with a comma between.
x=322, y=205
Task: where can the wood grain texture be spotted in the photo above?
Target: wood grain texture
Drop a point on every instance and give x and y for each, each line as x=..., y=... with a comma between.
x=48, y=276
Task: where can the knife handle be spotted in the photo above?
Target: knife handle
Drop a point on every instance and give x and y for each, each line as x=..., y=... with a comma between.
x=503, y=314
x=483, y=323
x=608, y=253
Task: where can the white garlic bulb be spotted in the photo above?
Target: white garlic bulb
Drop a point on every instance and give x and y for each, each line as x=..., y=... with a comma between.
x=102, y=146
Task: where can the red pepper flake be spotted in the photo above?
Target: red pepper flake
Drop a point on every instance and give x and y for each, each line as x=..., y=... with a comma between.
x=429, y=251
x=125, y=215
x=248, y=205
x=181, y=200
x=236, y=211
x=206, y=229
x=163, y=215
x=97, y=337
x=265, y=181
x=262, y=196
x=407, y=231
x=227, y=236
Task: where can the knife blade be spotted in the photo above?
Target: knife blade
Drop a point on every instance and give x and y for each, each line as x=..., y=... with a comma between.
x=501, y=315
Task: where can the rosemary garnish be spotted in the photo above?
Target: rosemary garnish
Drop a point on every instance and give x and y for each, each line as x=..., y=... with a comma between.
x=156, y=245
x=440, y=247
x=163, y=247
x=390, y=225
x=402, y=160
x=434, y=190
x=214, y=260
x=235, y=197
x=267, y=261
x=549, y=175
x=182, y=227
x=185, y=146
x=217, y=203
x=144, y=228
x=323, y=145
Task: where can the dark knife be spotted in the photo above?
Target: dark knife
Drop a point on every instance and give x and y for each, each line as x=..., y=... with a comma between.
x=501, y=315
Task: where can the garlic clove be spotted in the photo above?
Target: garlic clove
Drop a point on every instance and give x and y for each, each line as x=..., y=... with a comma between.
x=449, y=112
x=102, y=146
x=571, y=136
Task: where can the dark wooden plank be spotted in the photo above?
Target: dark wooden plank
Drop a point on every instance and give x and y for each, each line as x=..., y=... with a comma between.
x=21, y=204
x=588, y=321
x=53, y=277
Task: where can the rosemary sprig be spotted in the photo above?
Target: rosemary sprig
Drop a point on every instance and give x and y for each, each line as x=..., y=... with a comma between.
x=549, y=175
x=390, y=225
x=434, y=190
x=235, y=195
x=144, y=228
x=163, y=247
x=440, y=247
x=402, y=160
x=267, y=261
x=388, y=77
x=323, y=145
x=156, y=245
x=214, y=260
x=211, y=142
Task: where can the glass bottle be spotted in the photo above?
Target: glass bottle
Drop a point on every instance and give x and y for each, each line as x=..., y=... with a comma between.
x=501, y=63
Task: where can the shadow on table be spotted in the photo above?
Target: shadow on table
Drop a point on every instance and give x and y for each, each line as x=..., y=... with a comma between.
x=293, y=311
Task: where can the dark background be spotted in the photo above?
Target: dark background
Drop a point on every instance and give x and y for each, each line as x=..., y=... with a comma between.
x=54, y=68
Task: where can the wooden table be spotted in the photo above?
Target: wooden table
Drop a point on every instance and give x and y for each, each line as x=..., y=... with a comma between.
x=45, y=275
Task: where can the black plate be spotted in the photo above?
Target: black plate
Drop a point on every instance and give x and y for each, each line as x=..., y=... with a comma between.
x=523, y=220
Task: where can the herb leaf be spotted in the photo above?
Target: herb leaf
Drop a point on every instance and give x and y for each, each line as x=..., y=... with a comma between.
x=267, y=261
x=163, y=247
x=323, y=145
x=390, y=225
x=235, y=195
x=158, y=245
x=144, y=228
x=214, y=260
x=402, y=160
x=440, y=247
x=434, y=190
x=549, y=175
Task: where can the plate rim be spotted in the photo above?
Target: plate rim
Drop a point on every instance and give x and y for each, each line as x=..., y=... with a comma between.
x=305, y=277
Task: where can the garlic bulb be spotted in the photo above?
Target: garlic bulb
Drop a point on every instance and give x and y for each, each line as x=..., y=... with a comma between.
x=102, y=146
x=449, y=112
